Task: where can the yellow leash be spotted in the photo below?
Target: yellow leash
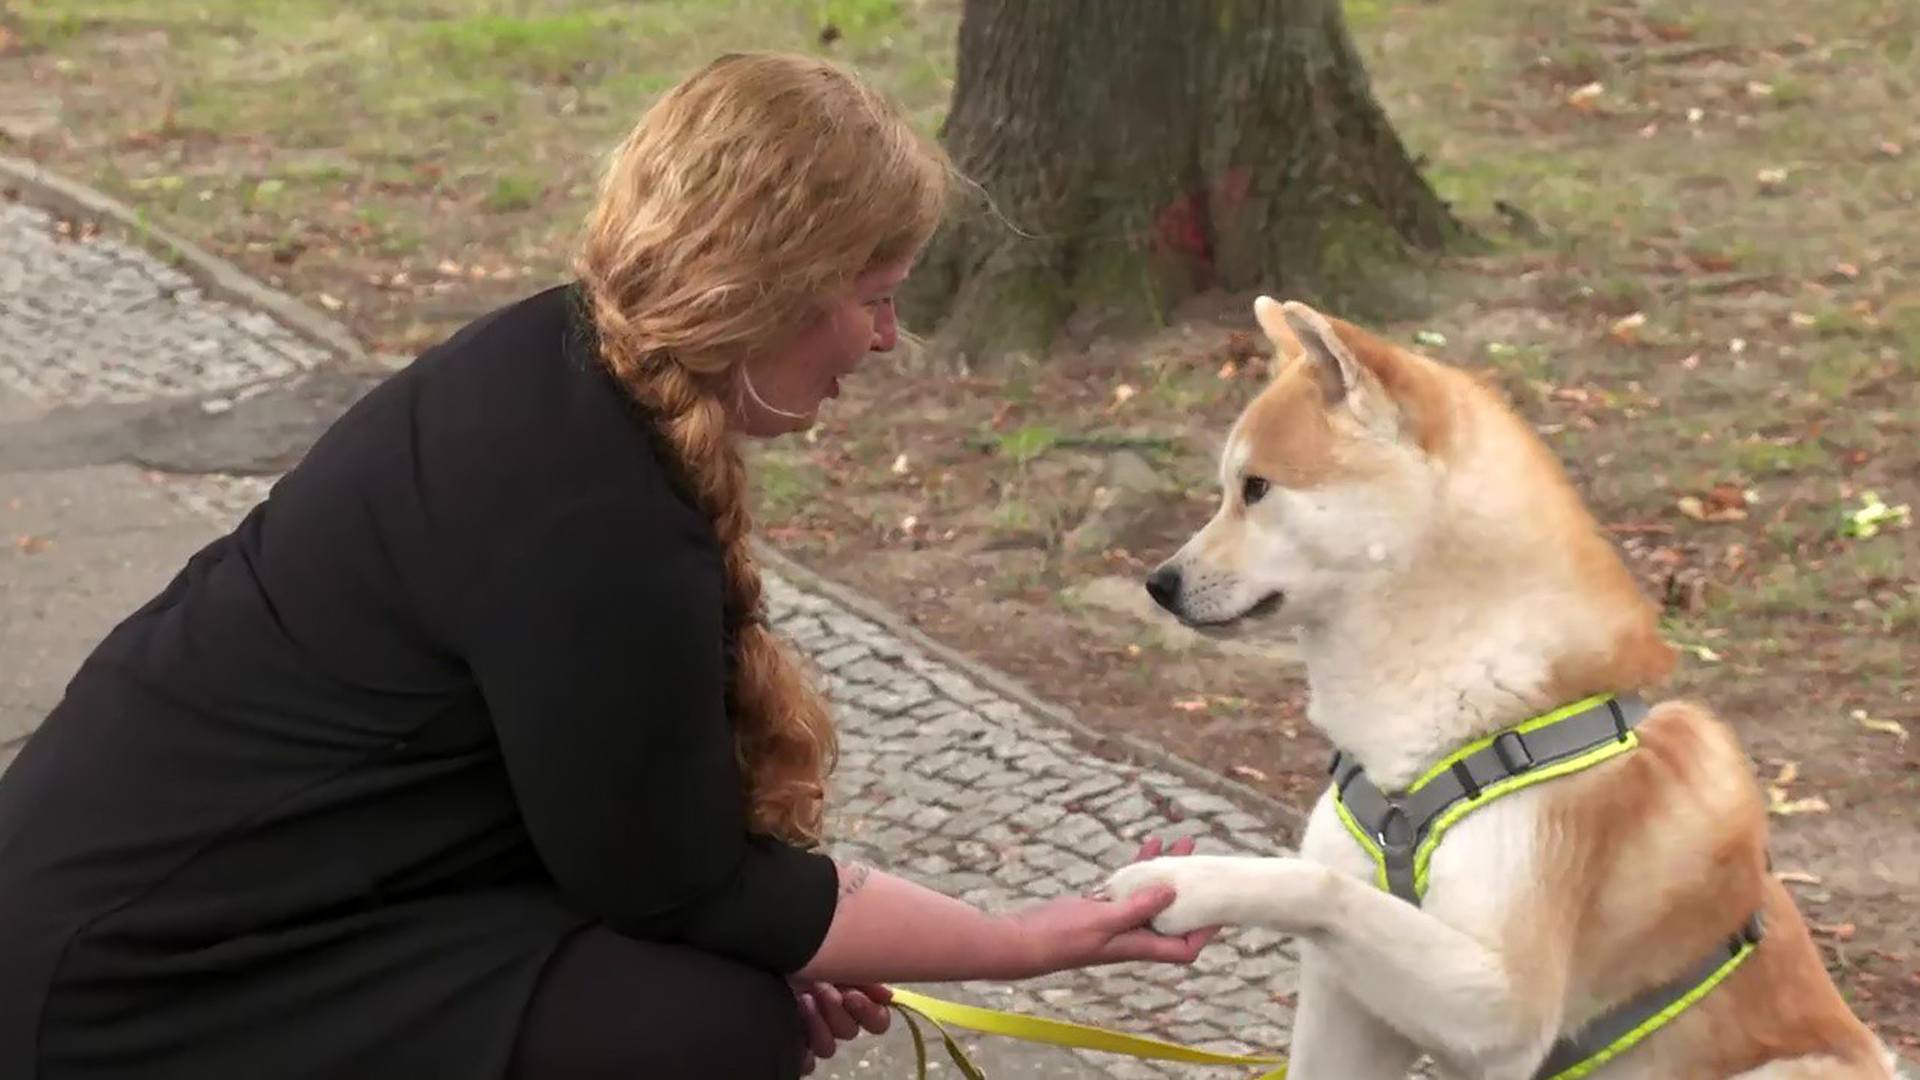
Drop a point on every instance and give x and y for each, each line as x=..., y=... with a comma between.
x=1053, y=1032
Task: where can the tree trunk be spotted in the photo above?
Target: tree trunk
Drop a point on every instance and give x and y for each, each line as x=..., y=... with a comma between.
x=1135, y=153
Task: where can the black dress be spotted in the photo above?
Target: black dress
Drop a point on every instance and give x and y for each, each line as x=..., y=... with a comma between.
x=325, y=806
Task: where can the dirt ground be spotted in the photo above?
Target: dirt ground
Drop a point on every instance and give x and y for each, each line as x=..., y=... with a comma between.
x=1702, y=284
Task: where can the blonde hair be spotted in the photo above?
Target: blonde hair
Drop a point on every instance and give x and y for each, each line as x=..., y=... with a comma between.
x=744, y=195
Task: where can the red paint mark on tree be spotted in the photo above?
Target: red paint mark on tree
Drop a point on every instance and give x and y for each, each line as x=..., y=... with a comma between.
x=1181, y=229
x=1184, y=228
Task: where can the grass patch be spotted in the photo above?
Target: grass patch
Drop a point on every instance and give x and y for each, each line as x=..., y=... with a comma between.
x=512, y=192
x=785, y=485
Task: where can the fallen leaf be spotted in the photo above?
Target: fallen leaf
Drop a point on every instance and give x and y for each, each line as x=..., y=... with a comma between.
x=1837, y=931
x=1583, y=97
x=1726, y=502
x=1247, y=772
x=1771, y=179
x=1696, y=114
x=1433, y=339
x=1789, y=772
x=1759, y=89
x=899, y=467
x=1703, y=652
x=1890, y=148
x=330, y=302
x=1888, y=727
x=1778, y=803
x=1191, y=705
x=1241, y=347
x=1797, y=877
x=909, y=523
x=1123, y=394
x=1721, y=504
x=32, y=545
x=1625, y=328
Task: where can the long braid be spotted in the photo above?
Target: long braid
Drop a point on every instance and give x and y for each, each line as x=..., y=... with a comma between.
x=783, y=731
x=740, y=198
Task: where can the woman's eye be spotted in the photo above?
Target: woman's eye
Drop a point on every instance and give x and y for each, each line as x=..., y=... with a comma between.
x=1252, y=489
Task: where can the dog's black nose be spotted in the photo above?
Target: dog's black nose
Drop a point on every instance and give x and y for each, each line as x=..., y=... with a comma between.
x=1164, y=585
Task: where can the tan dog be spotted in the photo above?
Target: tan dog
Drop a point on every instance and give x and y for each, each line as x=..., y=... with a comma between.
x=1446, y=584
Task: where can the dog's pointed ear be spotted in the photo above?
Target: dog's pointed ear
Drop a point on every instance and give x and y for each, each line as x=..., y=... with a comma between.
x=1391, y=391
x=1339, y=373
x=1286, y=346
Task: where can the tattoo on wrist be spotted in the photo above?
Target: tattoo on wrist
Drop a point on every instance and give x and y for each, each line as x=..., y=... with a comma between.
x=852, y=876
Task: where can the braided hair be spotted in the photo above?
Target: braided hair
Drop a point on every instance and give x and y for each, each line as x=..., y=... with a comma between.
x=744, y=195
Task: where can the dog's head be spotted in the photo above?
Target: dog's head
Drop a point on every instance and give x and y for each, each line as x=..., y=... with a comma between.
x=1328, y=476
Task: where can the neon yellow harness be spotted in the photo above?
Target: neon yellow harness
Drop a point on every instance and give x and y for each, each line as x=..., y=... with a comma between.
x=1401, y=831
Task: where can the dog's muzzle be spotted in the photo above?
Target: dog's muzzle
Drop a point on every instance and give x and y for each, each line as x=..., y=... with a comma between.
x=1164, y=586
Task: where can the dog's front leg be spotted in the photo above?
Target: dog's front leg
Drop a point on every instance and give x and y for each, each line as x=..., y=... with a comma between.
x=1334, y=1036
x=1445, y=991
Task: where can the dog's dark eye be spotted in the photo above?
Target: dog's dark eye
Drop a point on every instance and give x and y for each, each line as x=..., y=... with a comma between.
x=1252, y=489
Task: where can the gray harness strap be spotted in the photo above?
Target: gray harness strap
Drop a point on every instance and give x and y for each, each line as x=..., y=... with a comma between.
x=1611, y=1027
x=1399, y=823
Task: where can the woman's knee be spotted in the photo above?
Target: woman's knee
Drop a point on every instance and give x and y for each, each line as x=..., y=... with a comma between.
x=609, y=1007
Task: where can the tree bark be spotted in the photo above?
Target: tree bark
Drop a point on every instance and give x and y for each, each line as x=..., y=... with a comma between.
x=1133, y=153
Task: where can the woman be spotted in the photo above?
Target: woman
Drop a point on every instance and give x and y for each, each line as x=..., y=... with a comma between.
x=469, y=753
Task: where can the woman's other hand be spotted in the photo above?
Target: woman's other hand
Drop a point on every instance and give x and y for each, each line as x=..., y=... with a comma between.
x=831, y=1015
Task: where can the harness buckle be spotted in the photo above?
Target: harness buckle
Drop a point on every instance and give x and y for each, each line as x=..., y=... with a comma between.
x=1512, y=763
x=1396, y=830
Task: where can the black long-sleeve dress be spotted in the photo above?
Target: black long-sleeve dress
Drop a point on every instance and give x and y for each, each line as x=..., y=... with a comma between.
x=324, y=806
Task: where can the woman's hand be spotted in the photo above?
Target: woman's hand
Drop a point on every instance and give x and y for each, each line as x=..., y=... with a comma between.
x=1079, y=931
x=830, y=1015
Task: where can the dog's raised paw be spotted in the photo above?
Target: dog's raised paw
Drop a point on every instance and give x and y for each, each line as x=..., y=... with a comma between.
x=1190, y=907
